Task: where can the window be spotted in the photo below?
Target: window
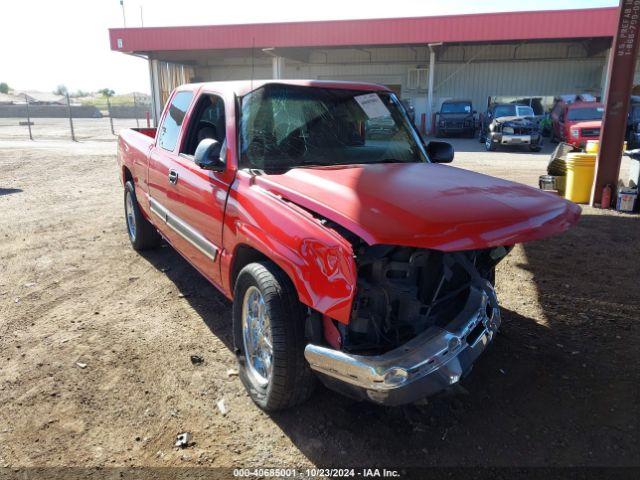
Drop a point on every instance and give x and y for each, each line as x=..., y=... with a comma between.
x=208, y=122
x=285, y=126
x=525, y=111
x=455, y=107
x=170, y=128
x=585, y=113
x=417, y=78
x=505, y=111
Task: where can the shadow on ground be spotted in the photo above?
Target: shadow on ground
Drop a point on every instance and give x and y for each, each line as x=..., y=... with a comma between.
x=555, y=388
x=9, y=191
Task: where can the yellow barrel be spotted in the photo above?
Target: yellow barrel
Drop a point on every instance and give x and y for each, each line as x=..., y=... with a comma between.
x=580, y=172
x=593, y=146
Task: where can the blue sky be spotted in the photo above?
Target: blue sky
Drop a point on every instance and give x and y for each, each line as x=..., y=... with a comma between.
x=67, y=40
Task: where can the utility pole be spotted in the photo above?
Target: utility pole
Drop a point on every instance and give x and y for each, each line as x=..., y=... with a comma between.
x=135, y=109
x=110, y=116
x=26, y=99
x=73, y=134
x=124, y=18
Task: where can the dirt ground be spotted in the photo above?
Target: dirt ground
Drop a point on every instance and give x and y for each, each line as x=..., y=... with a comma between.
x=95, y=344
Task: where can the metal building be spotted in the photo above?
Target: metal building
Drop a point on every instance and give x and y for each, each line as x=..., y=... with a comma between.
x=424, y=59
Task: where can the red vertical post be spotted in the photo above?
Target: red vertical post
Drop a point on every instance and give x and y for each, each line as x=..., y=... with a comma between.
x=148, y=120
x=621, y=68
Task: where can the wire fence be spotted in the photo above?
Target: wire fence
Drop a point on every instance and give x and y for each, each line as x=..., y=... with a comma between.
x=101, y=121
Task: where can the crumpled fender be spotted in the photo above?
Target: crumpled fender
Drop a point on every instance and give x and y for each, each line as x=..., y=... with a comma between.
x=318, y=260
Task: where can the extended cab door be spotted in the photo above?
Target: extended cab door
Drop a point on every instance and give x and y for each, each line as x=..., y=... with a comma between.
x=196, y=199
x=162, y=163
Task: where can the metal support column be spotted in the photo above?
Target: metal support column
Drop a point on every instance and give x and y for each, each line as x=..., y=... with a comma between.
x=278, y=67
x=154, y=77
x=432, y=67
x=621, y=68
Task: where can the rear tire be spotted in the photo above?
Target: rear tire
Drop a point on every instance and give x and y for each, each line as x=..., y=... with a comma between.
x=278, y=377
x=142, y=234
x=535, y=148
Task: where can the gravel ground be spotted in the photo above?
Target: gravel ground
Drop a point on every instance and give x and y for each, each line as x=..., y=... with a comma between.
x=95, y=343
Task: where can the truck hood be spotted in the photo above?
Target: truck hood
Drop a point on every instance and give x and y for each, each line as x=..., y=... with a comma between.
x=455, y=116
x=425, y=205
x=587, y=124
x=516, y=121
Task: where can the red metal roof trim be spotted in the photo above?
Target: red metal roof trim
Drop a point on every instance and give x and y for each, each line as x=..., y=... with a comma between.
x=484, y=27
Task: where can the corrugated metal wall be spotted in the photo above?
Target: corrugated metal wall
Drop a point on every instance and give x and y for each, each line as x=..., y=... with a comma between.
x=471, y=71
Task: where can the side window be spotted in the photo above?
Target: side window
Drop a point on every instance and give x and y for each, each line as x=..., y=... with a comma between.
x=208, y=122
x=170, y=128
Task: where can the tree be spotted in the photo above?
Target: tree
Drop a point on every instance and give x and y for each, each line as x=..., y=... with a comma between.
x=61, y=90
x=4, y=88
x=106, y=92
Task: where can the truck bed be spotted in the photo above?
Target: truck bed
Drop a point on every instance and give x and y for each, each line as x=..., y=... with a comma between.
x=134, y=145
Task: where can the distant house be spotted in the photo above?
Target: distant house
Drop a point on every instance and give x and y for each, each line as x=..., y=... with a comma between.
x=44, y=98
x=9, y=99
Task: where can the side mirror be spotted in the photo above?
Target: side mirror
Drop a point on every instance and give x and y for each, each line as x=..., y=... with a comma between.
x=440, y=152
x=207, y=155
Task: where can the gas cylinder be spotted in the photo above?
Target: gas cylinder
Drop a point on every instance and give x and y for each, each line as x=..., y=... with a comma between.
x=606, y=197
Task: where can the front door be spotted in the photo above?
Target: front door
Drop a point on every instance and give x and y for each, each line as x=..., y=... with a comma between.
x=198, y=197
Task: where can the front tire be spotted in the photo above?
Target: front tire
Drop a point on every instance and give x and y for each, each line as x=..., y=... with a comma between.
x=268, y=328
x=489, y=146
x=142, y=234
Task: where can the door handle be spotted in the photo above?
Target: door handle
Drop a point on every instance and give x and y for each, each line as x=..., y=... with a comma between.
x=173, y=177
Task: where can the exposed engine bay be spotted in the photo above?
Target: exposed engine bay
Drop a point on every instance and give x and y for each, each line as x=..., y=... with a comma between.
x=402, y=291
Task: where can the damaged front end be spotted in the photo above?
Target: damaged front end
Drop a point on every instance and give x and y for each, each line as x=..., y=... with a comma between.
x=419, y=320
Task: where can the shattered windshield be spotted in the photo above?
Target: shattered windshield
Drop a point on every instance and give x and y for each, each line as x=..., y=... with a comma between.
x=287, y=126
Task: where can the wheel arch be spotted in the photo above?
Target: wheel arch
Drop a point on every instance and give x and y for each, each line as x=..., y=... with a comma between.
x=126, y=175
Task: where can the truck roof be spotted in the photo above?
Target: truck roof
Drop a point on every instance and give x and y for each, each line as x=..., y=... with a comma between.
x=576, y=105
x=242, y=87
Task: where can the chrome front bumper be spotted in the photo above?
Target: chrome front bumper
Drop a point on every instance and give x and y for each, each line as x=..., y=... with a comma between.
x=430, y=362
x=511, y=139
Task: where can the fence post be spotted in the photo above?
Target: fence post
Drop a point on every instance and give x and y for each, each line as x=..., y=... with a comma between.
x=110, y=117
x=73, y=134
x=26, y=99
x=135, y=109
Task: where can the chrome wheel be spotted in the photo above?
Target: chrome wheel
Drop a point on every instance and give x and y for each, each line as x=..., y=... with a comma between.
x=487, y=142
x=131, y=216
x=256, y=337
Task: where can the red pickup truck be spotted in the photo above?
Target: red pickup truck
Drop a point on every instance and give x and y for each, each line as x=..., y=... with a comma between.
x=576, y=122
x=350, y=253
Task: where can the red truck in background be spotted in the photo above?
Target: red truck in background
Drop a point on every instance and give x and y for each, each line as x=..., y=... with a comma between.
x=576, y=122
x=351, y=254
